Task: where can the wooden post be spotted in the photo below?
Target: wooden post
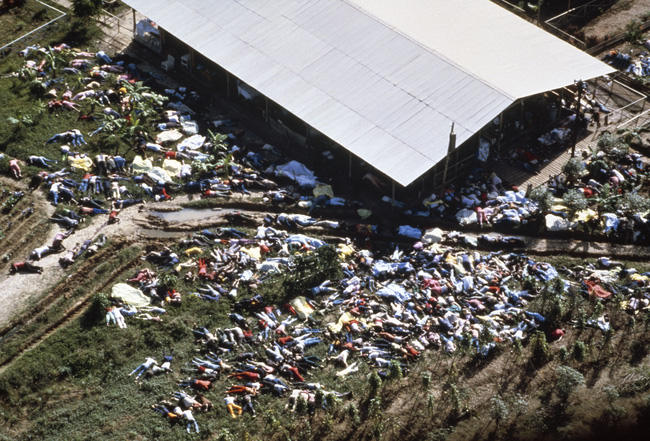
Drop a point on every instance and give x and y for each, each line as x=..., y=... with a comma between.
x=500, y=133
x=577, y=121
x=133, y=10
x=228, y=84
x=266, y=110
x=452, y=146
x=350, y=166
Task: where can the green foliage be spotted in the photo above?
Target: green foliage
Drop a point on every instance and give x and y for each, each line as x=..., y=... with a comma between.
x=579, y=351
x=395, y=371
x=498, y=409
x=568, y=380
x=573, y=169
x=86, y=8
x=97, y=310
x=612, y=146
x=633, y=32
x=554, y=303
x=301, y=405
x=374, y=383
x=543, y=198
x=353, y=413
x=426, y=379
x=374, y=408
x=540, y=350
x=309, y=270
x=575, y=201
x=631, y=203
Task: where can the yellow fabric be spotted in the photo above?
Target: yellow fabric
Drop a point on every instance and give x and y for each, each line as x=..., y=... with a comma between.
x=140, y=165
x=322, y=189
x=343, y=320
x=171, y=166
x=254, y=252
x=85, y=164
x=129, y=295
x=639, y=278
x=364, y=213
x=585, y=215
x=303, y=309
x=192, y=251
x=346, y=250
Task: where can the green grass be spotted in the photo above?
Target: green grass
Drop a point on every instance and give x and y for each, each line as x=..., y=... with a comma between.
x=18, y=21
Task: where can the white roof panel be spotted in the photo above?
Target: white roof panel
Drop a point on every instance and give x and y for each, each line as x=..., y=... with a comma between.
x=383, y=78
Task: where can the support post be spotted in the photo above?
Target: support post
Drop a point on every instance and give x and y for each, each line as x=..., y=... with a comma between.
x=350, y=166
x=452, y=146
x=133, y=10
x=266, y=109
x=500, y=137
x=228, y=84
x=392, y=198
x=576, y=124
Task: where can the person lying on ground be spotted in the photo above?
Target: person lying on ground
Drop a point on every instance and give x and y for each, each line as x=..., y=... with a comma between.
x=173, y=413
x=15, y=169
x=69, y=257
x=113, y=315
x=140, y=370
x=41, y=252
x=25, y=267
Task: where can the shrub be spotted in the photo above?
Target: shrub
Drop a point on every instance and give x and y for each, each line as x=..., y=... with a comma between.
x=579, y=351
x=395, y=371
x=540, y=351
x=568, y=380
x=633, y=32
x=86, y=8
x=612, y=146
x=543, y=198
x=631, y=203
x=498, y=409
x=374, y=381
x=575, y=201
x=573, y=169
x=97, y=310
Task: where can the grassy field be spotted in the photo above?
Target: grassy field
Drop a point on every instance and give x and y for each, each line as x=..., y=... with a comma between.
x=16, y=22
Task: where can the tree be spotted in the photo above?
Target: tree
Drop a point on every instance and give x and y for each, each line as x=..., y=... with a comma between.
x=498, y=409
x=86, y=8
x=612, y=146
x=631, y=203
x=575, y=201
x=543, y=198
x=573, y=170
x=568, y=380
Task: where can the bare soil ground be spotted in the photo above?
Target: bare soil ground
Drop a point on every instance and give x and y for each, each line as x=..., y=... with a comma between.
x=614, y=20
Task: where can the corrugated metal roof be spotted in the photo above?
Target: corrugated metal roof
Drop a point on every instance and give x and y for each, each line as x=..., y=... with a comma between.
x=383, y=78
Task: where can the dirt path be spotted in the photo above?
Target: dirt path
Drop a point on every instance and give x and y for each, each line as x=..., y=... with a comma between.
x=614, y=20
x=19, y=291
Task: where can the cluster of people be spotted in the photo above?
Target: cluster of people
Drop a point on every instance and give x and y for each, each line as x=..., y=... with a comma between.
x=388, y=308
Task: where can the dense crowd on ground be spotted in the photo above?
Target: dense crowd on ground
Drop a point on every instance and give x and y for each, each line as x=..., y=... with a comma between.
x=388, y=307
